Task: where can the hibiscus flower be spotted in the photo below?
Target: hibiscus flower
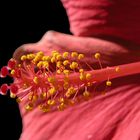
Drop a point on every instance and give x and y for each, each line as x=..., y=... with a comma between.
x=111, y=113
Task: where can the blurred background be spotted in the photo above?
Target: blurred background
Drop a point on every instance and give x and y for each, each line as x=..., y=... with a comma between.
x=24, y=22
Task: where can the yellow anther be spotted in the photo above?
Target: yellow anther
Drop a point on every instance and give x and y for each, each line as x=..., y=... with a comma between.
x=39, y=64
x=29, y=107
x=108, y=83
x=40, y=53
x=45, y=64
x=65, y=55
x=58, y=71
x=23, y=57
x=86, y=94
x=12, y=95
x=67, y=94
x=46, y=58
x=13, y=72
x=74, y=54
x=51, y=79
x=43, y=95
x=35, y=97
x=66, y=72
x=44, y=108
x=58, y=57
x=54, y=52
x=66, y=62
x=74, y=65
x=37, y=58
x=117, y=69
x=35, y=80
x=53, y=59
x=61, y=107
x=61, y=100
x=88, y=76
x=18, y=100
x=51, y=102
x=59, y=64
x=82, y=76
x=81, y=70
x=97, y=55
x=52, y=91
x=30, y=56
x=30, y=96
x=80, y=56
x=70, y=92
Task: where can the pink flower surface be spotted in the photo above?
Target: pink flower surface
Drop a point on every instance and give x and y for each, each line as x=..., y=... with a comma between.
x=115, y=18
x=113, y=116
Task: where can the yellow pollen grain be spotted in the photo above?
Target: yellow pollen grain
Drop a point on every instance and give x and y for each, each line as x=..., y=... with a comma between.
x=53, y=59
x=30, y=56
x=40, y=53
x=29, y=107
x=44, y=108
x=61, y=107
x=80, y=56
x=82, y=76
x=13, y=72
x=51, y=102
x=23, y=57
x=55, y=52
x=35, y=80
x=86, y=94
x=39, y=64
x=88, y=76
x=46, y=58
x=81, y=70
x=35, y=97
x=45, y=64
x=58, y=57
x=18, y=100
x=97, y=55
x=52, y=91
x=74, y=65
x=61, y=100
x=12, y=95
x=74, y=54
x=66, y=72
x=65, y=55
x=43, y=95
x=70, y=91
x=51, y=79
x=108, y=83
x=66, y=62
x=59, y=64
x=58, y=71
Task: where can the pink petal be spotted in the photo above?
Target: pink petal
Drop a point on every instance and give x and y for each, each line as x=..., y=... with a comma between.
x=111, y=116
x=114, y=18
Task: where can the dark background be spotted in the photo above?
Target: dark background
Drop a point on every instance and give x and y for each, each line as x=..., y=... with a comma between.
x=20, y=23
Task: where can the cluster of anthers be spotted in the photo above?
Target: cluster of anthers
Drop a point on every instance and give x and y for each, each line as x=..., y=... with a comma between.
x=49, y=82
